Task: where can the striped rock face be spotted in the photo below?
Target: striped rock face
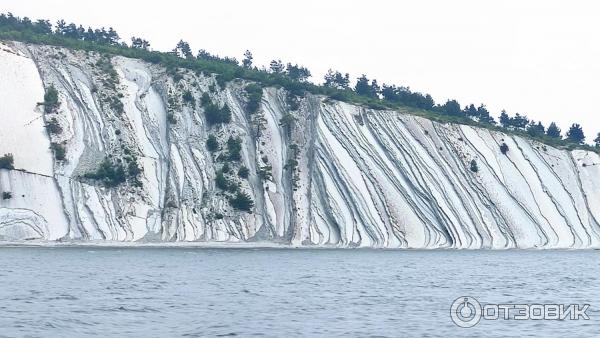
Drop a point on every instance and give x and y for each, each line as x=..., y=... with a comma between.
x=321, y=172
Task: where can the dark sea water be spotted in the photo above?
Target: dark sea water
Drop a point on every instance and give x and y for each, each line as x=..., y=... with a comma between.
x=183, y=292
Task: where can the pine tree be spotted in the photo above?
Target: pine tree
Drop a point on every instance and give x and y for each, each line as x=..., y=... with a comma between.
x=183, y=50
x=297, y=72
x=364, y=88
x=575, y=134
x=504, y=119
x=277, y=67
x=452, y=108
x=519, y=121
x=247, y=61
x=337, y=80
x=553, y=131
x=535, y=129
x=483, y=115
x=139, y=43
x=471, y=111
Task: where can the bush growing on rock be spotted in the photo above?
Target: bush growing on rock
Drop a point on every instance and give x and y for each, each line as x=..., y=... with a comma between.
x=474, y=166
x=234, y=147
x=7, y=161
x=50, y=100
x=111, y=174
x=243, y=172
x=117, y=105
x=222, y=182
x=242, y=201
x=133, y=168
x=214, y=114
x=188, y=97
x=504, y=148
x=6, y=195
x=226, y=168
x=58, y=150
x=265, y=173
x=212, y=144
x=292, y=101
x=254, y=93
x=53, y=126
x=287, y=121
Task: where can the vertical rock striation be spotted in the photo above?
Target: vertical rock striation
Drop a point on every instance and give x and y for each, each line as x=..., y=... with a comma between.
x=320, y=172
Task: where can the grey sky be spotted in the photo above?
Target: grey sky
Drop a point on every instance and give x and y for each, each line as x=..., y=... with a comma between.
x=538, y=57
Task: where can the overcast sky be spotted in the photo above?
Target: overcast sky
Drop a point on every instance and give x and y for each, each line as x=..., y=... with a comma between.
x=540, y=57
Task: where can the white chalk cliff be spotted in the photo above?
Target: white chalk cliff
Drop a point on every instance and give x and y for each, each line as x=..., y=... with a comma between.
x=340, y=174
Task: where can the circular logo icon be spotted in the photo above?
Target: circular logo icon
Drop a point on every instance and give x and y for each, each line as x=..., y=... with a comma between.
x=465, y=311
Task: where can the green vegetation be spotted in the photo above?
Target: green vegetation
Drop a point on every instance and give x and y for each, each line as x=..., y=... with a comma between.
x=292, y=101
x=241, y=201
x=133, y=169
x=575, y=134
x=50, y=100
x=254, y=93
x=212, y=144
x=6, y=195
x=58, y=150
x=474, y=166
x=553, y=131
x=116, y=104
x=215, y=115
x=111, y=174
x=287, y=121
x=243, y=172
x=504, y=148
x=53, y=126
x=171, y=118
x=366, y=92
x=7, y=162
x=234, y=148
x=188, y=98
x=222, y=182
x=265, y=173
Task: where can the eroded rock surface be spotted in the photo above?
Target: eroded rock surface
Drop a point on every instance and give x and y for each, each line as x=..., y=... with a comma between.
x=324, y=173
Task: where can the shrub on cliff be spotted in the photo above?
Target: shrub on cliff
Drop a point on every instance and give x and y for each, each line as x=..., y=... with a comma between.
x=109, y=173
x=212, y=144
x=241, y=201
x=254, y=93
x=7, y=161
x=223, y=182
x=59, y=151
x=474, y=166
x=50, y=100
x=243, y=172
x=212, y=112
x=6, y=195
x=575, y=134
x=53, y=126
x=187, y=97
x=234, y=147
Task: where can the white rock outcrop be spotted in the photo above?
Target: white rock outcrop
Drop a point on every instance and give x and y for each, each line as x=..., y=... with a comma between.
x=334, y=175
